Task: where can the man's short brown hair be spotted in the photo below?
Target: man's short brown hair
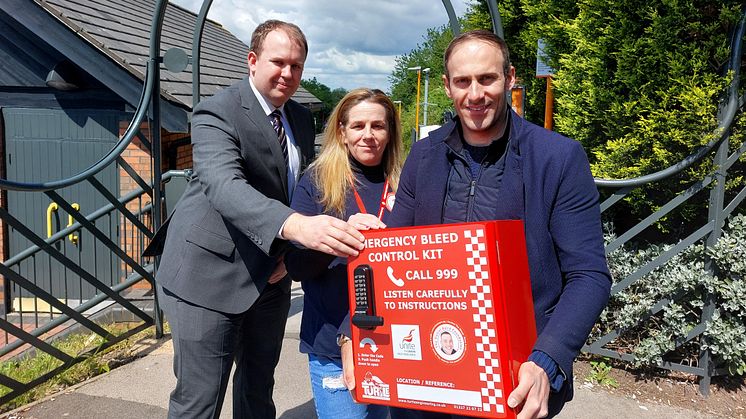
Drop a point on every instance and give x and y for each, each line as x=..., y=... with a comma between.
x=264, y=28
x=478, y=35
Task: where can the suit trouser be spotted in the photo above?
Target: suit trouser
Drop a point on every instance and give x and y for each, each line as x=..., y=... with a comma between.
x=206, y=342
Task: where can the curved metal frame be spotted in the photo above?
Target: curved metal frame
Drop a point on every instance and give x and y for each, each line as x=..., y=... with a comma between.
x=151, y=72
x=196, y=50
x=452, y=18
x=151, y=90
x=151, y=80
x=151, y=97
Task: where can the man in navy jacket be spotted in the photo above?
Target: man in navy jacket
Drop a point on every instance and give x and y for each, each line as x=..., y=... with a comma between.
x=491, y=164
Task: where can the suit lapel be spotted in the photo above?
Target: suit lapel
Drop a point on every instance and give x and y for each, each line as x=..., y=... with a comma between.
x=265, y=133
x=510, y=196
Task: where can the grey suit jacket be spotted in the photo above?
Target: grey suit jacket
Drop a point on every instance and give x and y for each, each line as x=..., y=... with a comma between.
x=220, y=241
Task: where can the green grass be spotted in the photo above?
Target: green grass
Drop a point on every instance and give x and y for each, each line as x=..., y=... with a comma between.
x=96, y=361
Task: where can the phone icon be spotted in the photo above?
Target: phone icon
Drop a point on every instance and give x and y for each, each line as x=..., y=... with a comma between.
x=397, y=281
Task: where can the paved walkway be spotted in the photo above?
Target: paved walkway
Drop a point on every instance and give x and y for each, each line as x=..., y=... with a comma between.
x=140, y=389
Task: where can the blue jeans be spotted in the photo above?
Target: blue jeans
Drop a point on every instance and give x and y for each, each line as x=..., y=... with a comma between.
x=331, y=397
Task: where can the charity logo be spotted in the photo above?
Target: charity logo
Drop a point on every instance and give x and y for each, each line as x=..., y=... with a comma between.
x=448, y=342
x=375, y=388
x=406, y=343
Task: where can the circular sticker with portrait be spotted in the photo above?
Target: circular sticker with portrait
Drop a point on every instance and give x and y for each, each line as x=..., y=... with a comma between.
x=448, y=342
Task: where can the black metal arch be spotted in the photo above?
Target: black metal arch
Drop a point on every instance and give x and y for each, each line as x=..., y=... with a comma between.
x=150, y=98
x=151, y=90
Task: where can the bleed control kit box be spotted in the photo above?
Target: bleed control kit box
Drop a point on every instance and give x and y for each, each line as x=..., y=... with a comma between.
x=442, y=317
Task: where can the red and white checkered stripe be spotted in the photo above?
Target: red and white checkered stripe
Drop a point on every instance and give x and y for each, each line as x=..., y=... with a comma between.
x=484, y=319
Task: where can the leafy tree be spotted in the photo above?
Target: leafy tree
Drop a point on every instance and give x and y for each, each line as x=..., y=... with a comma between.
x=651, y=337
x=329, y=98
x=404, y=81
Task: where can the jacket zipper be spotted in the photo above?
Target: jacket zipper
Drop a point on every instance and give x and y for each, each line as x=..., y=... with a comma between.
x=472, y=192
x=470, y=202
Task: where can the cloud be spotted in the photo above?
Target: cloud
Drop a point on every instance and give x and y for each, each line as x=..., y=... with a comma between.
x=353, y=61
x=351, y=42
x=350, y=69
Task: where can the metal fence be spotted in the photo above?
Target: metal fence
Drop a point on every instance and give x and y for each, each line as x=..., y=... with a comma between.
x=50, y=312
x=118, y=231
x=32, y=322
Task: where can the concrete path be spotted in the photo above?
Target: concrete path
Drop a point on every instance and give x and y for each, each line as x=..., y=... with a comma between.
x=140, y=389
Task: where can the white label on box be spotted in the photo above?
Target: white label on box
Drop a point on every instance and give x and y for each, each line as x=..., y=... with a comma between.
x=405, y=340
x=439, y=395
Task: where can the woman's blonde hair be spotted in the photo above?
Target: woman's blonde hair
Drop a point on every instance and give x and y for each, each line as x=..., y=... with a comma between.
x=332, y=172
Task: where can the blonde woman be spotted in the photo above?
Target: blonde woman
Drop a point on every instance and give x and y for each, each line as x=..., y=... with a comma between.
x=354, y=178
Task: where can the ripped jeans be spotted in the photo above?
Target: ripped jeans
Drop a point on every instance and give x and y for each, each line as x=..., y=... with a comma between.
x=331, y=397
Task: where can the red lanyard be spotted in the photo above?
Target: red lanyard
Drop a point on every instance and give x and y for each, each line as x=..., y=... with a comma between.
x=361, y=206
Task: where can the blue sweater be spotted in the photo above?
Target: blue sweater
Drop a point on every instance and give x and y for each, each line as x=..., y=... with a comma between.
x=324, y=277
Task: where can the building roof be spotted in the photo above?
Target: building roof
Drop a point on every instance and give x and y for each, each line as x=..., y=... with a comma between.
x=121, y=31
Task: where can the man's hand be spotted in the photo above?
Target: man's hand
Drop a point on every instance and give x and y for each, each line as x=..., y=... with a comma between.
x=279, y=272
x=348, y=367
x=533, y=391
x=323, y=233
x=362, y=221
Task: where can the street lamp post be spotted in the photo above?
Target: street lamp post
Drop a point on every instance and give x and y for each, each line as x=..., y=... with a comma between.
x=418, y=69
x=427, y=79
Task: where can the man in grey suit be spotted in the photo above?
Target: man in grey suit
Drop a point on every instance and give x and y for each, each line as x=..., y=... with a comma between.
x=222, y=281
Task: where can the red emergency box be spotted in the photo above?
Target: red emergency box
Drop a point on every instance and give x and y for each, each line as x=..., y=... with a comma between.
x=442, y=317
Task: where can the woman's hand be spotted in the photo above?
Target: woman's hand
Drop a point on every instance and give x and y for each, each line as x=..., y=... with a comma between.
x=348, y=366
x=362, y=221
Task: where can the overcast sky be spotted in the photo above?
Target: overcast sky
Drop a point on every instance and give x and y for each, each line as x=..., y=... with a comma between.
x=352, y=43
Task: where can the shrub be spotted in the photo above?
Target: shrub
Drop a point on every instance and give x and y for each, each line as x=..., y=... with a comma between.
x=687, y=282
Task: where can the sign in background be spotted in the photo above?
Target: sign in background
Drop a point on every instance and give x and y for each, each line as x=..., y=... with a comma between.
x=543, y=69
x=457, y=317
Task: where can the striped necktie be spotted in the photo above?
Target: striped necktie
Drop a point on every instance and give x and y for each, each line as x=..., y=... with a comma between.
x=280, y=131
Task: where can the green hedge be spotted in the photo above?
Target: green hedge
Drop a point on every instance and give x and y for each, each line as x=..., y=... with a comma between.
x=638, y=82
